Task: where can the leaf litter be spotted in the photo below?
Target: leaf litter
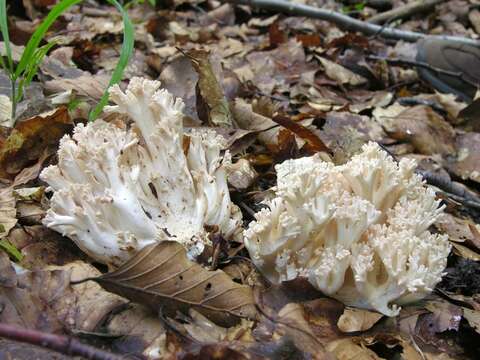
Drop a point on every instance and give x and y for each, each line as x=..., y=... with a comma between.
x=287, y=87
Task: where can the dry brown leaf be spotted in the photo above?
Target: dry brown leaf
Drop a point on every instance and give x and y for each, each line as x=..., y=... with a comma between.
x=141, y=329
x=241, y=174
x=423, y=128
x=465, y=252
x=459, y=230
x=8, y=211
x=473, y=318
x=291, y=321
x=467, y=162
x=357, y=320
x=5, y=111
x=347, y=349
x=340, y=74
x=162, y=277
x=211, y=101
x=89, y=86
x=29, y=139
x=45, y=300
x=313, y=143
x=83, y=306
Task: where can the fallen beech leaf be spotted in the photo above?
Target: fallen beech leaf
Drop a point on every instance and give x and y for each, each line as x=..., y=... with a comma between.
x=347, y=349
x=459, y=230
x=465, y=252
x=89, y=86
x=141, y=332
x=211, y=101
x=357, y=320
x=467, y=162
x=292, y=322
x=314, y=144
x=28, y=140
x=241, y=174
x=161, y=276
x=340, y=74
x=473, y=318
x=427, y=131
x=5, y=111
x=8, y=212
x=471, y=115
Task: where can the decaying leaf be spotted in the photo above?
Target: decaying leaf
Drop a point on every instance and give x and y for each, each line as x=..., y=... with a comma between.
x=340, y=74
x=473, y=318
x=467, y=162
x=162, y=277
x=313, y=142
x=8, y=212
x=5, y=111
x=30, y=138
x=427, y=131
x=348, y=349
x=357, y=320
x=291, y=321
x=215, y=105
x=44, y=299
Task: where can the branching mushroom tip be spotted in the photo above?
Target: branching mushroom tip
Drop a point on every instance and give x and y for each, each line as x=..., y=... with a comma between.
x=358, y=232
x=117, y=190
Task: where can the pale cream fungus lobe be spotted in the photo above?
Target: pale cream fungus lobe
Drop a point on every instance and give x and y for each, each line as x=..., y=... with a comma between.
x=358, y=232
x=116, y=192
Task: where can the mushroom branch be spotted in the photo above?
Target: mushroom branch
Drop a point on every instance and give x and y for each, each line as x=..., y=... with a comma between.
x=344, y=21
x=119, y=189
x=358, y=232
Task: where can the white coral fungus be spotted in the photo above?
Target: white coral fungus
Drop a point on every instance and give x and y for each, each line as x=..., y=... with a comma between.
x=359, y=231
x=118, y=190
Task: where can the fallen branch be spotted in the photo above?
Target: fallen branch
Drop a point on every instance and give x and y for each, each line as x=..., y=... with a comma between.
x=404, y=11
x=345, y=21
x=61, y=344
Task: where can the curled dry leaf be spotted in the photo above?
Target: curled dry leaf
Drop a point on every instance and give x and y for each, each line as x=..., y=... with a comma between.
x=357, y=320
x=162, y=277
x=29, y=139
x=210, y=97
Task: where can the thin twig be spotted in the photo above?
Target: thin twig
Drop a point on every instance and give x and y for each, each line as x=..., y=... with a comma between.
x=345, y=21
x=405, y=11
x=59, y=343
x=404, y=62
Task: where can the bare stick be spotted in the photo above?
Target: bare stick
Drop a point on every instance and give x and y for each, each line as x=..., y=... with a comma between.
x=344, y=21
x=404, y=11
x=62, y=344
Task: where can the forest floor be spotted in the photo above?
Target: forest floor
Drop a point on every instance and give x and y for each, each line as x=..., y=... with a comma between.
x=294, y=86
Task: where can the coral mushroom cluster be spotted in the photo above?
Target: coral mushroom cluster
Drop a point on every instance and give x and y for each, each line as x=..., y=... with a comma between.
x=359, y=231
x=117, y=190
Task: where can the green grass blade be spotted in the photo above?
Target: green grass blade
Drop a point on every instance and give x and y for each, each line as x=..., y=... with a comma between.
x=11, y=250
x=6, y=37
x=32, y=68
x=125, y=54
x=39, y=34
